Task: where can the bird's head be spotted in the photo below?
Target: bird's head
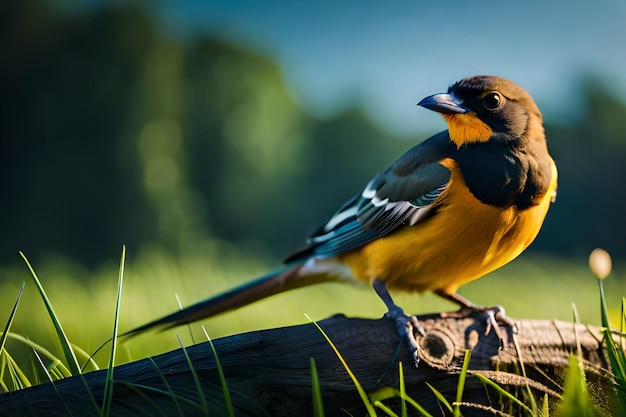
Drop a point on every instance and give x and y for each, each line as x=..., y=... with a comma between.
x=482, y=108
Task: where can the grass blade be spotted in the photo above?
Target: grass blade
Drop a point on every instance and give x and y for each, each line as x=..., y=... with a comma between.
x=442, y=400
x=45, y=370
x=229, y=405
x=196, y=379
x=576, y=402
x=423, y=412
x=384, y=393
x=504, y=393
x=72, y=362
x=6, y=359
x=180, y=308
x=366, y=402
x=529, y=393
x=456, y=412
x=616, y=355
x=168, y=387
x=7, y=326
x=3, y=361
x=402, y=390
x=386, y=409
x=622, y=326
x=56, y=362
x=80, y=352
x=13, y=377
x=18, y=378
x=56, y=391
x=107, y=398
x=318, y=406
x=604, y=311
x=618, y=366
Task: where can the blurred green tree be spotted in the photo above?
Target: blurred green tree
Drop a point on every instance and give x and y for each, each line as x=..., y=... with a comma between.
x=69, y=181
x=118, y=132
x=590, y=152
x=115, y=131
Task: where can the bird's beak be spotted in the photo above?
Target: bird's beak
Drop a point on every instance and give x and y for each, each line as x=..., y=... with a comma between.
x=443, y=103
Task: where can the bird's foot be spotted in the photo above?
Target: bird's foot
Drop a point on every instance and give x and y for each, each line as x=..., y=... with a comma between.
x=494, y=317
x=406, y=326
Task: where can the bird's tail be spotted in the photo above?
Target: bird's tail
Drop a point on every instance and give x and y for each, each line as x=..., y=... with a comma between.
x=275, y=282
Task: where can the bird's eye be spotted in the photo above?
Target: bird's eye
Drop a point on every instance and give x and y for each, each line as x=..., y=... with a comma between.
x=492, y=101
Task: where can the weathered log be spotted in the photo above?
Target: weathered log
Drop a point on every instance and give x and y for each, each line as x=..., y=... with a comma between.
x=268, y=372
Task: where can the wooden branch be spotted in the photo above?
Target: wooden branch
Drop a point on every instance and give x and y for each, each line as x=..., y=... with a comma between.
x=268, y=371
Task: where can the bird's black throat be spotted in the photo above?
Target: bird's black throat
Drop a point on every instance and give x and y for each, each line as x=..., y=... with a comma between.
x=502, y=175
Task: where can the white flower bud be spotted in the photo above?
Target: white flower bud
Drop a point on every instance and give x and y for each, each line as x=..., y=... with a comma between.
x=600, y=263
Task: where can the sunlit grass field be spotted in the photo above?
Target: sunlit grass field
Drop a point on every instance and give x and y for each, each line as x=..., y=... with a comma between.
x=533, y=286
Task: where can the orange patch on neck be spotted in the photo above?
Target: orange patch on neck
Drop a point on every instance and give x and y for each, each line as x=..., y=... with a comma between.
x=467, y=128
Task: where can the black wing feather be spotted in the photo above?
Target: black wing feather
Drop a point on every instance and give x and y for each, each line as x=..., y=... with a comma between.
x=401, y=196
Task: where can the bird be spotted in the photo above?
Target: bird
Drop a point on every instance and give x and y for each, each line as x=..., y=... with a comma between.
x=453, y=208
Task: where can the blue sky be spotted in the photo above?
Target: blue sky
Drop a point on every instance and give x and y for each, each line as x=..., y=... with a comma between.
x=388, y=55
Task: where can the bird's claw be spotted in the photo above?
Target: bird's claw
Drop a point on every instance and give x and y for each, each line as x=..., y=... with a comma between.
x=407, y=326
x=494, y=317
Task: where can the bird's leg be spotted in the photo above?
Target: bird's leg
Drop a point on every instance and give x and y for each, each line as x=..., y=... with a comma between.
x=406, y=325
x=495, y=315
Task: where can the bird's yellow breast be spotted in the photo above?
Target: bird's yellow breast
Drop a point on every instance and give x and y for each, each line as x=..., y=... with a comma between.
x=462, y=241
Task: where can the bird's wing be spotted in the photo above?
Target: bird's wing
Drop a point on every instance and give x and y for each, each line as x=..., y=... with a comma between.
x=402, y=195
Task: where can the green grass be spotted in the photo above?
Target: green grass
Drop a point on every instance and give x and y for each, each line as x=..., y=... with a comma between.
x=4, y=356
x=600, y=264
x=70, y=356
x=456, y=407
x=227, y=401
x=75, y=296
x=366, y=402
x=108, y=386
x=576, y=401
x=316, y=391
x=202, y=404
x=152, y=278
